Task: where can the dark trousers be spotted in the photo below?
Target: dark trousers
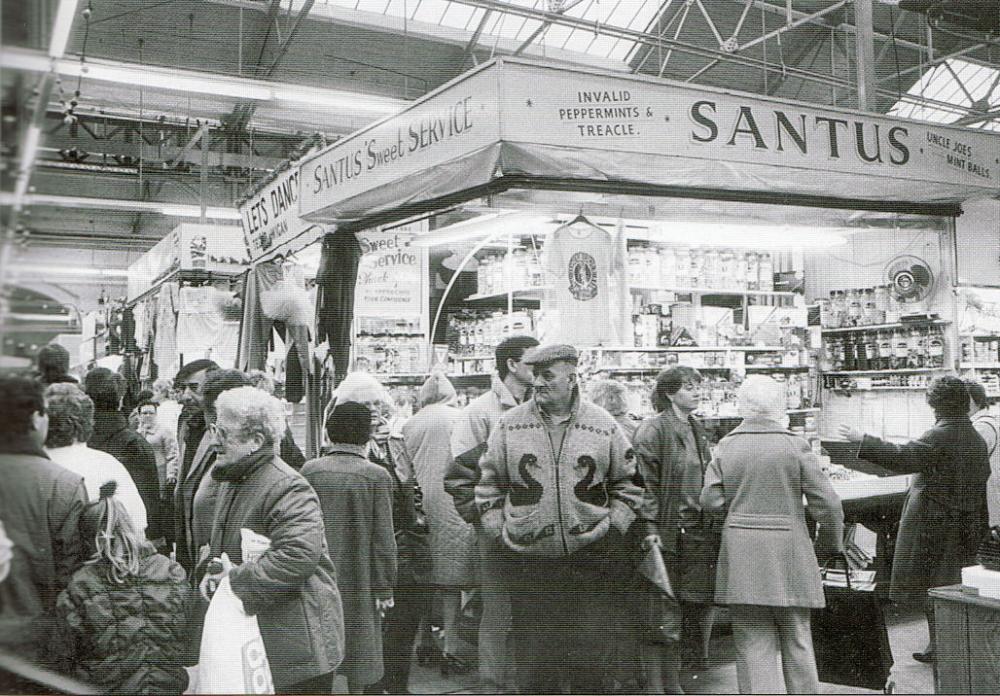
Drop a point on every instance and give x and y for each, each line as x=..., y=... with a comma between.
x=562, y=622
x=412, y=604
x=323, y=684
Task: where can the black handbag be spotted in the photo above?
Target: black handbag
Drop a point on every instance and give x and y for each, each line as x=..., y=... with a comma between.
x=696, y=563
x=849, y=635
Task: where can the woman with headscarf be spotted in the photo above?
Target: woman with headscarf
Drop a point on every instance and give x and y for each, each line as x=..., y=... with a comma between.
x=413, y=594
x=426, y=443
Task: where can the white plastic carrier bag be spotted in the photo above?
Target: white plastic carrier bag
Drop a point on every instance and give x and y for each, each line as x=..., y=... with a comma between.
x=232, y=658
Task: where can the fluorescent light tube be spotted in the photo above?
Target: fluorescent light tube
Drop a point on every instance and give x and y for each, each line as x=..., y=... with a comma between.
x=74, y=270
x=335, y=99
x=214, y=213
x=60, y=29
x=80, y=202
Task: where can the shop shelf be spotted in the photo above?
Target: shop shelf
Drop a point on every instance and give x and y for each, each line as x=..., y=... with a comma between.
x=417, y=378
x=878, y=389
x=903, y=371
x=522, y=295
x=791, y=411
x=880, y=327
x=689, y=349
x=716, y=291
x=981, y=366
x=703, y=368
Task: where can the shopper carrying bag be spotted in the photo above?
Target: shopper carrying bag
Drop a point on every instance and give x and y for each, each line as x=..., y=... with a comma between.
x=849, y=634
x=232, y=659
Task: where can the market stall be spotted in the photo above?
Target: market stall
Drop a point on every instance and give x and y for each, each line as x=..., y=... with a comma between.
x=650, y=224
x=182, y=302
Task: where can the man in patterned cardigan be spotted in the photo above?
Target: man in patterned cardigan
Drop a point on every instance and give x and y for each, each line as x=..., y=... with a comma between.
x=557, y=495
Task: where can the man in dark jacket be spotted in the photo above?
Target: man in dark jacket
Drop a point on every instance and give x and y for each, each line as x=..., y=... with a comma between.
x=191, y=425
x=40, y=507
x=113, y=435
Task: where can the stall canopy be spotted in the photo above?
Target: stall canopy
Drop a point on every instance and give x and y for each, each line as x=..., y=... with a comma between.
x=510, y=122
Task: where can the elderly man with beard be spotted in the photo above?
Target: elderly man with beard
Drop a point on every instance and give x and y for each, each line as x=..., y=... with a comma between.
x=557, y=496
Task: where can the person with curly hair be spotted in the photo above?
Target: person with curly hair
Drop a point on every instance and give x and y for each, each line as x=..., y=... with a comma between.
x=71, y=423
x=944, y=517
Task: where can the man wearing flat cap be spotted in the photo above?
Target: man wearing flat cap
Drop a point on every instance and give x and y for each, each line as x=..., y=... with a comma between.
x=557, y=494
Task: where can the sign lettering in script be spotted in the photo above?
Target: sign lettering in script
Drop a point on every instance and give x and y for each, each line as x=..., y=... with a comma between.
x=448, y=125
x=392, y=274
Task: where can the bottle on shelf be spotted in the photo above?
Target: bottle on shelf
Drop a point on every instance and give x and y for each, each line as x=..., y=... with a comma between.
x=765, y=273
x=884, y=350
x=753, y=271
x=901, y=349
x=668, y=268
x=854, y=308
x=935, y=347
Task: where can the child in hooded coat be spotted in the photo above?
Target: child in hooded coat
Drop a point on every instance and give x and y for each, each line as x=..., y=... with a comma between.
x=125, y=611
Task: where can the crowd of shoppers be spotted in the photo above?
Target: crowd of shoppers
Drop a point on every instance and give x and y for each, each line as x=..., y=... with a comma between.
x=534, y=501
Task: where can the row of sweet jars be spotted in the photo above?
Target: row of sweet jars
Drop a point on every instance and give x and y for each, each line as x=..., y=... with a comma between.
x=717, y=269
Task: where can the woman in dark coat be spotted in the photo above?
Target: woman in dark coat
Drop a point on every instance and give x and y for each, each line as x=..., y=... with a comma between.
x=672, y=454
x=291, y=585
x=356, y=497
x=944, y=517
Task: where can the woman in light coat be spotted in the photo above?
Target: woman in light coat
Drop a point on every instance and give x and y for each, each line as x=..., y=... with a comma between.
x=767, y=572
x=427, y=446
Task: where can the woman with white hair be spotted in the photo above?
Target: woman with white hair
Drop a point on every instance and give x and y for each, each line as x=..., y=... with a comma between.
x=168, y=411
x=290, y=586
x=611, y=395
x=767, y=571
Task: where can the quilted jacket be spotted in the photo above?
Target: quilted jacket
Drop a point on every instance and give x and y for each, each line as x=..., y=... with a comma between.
x=128, y=638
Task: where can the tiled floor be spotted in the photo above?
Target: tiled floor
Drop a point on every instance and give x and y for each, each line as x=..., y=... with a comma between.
x=907, y=634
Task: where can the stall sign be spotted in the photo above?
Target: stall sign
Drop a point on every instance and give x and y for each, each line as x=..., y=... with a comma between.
x=270, y=218
x=392, y=274
x=216, y=248
x=189, y=246
x=457, y=120
x=566, y=108
x=155, y=265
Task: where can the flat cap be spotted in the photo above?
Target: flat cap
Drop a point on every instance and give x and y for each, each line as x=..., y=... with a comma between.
x=550, y=353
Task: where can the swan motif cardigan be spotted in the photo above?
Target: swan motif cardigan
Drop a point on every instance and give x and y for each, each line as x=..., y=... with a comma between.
x=547, y=503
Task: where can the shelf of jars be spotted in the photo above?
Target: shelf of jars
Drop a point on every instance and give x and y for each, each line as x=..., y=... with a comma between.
x=687, y=349
x=981, y=366
x=917, y=323
x=520, y=295
x=754, y=369
x=731, y=292
x=418, y=378
x=878, y=381
x=903, y=371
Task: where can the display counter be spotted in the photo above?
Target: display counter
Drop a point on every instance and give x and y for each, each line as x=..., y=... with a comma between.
x=966, y=641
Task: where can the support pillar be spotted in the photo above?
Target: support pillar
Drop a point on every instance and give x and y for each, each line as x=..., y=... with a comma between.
x=865, y=56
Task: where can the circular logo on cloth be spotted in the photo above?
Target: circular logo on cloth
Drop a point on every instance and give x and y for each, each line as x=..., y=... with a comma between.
x=582, y=276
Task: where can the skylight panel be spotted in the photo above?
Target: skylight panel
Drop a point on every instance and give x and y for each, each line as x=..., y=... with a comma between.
x=953, y=83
